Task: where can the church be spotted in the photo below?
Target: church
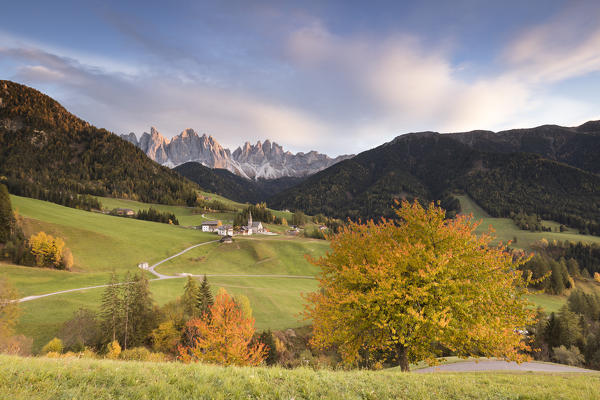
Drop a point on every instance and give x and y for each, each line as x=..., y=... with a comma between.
x=252, y=227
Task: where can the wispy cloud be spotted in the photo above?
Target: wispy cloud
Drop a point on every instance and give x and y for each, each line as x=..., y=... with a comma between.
x=308, y=86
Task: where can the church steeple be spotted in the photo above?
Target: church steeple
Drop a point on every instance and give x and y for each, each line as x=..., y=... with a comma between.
x=249, y=218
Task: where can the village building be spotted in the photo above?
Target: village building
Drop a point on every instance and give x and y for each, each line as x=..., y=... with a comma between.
x=226, y=239
x=225, y=230
x=252, y=227
x=127, y=212
x=210, y=226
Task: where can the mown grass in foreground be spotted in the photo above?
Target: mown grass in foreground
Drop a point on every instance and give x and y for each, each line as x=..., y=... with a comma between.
x=42, y=378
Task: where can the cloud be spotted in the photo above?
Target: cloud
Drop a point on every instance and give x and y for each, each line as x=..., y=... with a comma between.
x=401, y=85
x=564, y=47
x=313, y=88
x=124, y=103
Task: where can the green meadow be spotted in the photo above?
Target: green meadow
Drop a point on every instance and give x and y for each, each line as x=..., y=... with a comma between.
x=504, y=229
x=102, y=243
x=72, y=378
x=256, y=255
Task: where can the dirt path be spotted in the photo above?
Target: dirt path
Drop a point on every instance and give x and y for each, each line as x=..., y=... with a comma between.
x=495, y=365
x=160, y=276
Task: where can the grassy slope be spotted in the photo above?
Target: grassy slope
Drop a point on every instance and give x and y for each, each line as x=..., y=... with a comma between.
x=101, y=243
x=42, y=378
x=506, y=230
x=184, y=214
x=256, y=255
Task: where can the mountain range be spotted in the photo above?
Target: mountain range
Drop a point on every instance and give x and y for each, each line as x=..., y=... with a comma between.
x=550, y=170
x=266, y=160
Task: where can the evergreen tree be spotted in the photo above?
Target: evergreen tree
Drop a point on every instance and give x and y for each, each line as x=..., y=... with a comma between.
x=190, y=300
x=111, y=307
x=573, y=267
x=266, y=338
x=570, y=328
x=127, y=299
x=143, y=317
x=205, y=298
x=6, y=215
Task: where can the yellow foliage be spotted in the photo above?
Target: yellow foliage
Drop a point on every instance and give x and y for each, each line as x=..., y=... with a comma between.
x=418, y=286
x=53, y=346
x=597, y=277
x=114, y=350
x=48, y=250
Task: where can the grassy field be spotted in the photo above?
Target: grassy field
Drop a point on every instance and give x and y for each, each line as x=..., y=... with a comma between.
x=43, y=378
x=505, y=228
x=102, y=243
x=257, y=255
x=276, y=303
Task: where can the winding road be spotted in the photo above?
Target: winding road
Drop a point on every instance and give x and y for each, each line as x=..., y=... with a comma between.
x=498, y=365
x=160, y=276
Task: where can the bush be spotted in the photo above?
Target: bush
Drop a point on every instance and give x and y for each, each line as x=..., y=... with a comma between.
x=570, y=356
x=53, y=346
x=113, y=350
x=142, y=354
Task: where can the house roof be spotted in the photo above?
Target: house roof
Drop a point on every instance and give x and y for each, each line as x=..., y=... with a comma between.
x=210, y=223
x=226, y=227
x=256, y=224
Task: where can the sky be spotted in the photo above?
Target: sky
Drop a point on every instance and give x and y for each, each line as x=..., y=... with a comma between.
x=339, y=77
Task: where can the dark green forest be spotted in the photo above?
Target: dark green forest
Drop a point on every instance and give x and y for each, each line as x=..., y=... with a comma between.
x=232, y=186
x=49, y=154
x=431, y=167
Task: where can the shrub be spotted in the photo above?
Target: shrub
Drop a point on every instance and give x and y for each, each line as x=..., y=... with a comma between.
x=53, y=346
x=570, y=356
x=113, y=350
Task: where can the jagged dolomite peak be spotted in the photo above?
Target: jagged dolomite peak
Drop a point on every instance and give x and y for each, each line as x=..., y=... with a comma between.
x=263, y=160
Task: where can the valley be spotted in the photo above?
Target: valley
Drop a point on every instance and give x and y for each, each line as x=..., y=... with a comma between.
x=102, y=243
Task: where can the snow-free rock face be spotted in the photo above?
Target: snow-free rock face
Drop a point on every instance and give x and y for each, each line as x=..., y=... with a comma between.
x=263, y=160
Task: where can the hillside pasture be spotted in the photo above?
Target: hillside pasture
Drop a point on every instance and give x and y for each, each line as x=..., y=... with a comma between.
x=102, y=243
x=505, y=229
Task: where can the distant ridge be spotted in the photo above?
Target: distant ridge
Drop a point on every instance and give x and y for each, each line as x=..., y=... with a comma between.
x=266, y=160
x=550, y=171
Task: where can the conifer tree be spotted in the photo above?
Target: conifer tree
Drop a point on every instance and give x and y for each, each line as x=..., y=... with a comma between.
x=6, y=215
x=205, y=298
x=190, y=300
x=143, y=317
x=111, y=307
x=127, y=300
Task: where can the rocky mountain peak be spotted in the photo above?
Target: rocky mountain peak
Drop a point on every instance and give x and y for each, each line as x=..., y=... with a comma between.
x=262, y=160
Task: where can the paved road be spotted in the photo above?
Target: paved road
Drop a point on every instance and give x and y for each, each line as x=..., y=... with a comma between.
x=495, y=365
x=160, y=276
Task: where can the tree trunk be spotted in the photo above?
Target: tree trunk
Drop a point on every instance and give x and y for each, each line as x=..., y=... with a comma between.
x=402, y=357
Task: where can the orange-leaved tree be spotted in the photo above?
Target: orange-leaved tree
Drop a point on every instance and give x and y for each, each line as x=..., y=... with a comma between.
x=222, y=336
x=415, y=287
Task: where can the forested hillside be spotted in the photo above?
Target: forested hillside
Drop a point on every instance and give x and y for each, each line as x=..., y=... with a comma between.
x=431, y=166
x=48, y=153
x=232, y=186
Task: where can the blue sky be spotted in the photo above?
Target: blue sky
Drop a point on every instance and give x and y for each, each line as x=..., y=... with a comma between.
x=338, y=77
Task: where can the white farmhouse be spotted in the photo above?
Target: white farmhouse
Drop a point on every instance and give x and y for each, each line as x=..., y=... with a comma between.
x=225, y=230
x=210, y=226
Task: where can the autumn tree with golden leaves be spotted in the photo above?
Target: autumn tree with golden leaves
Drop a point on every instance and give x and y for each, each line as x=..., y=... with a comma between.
x=417, y=286
x=222, y=336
